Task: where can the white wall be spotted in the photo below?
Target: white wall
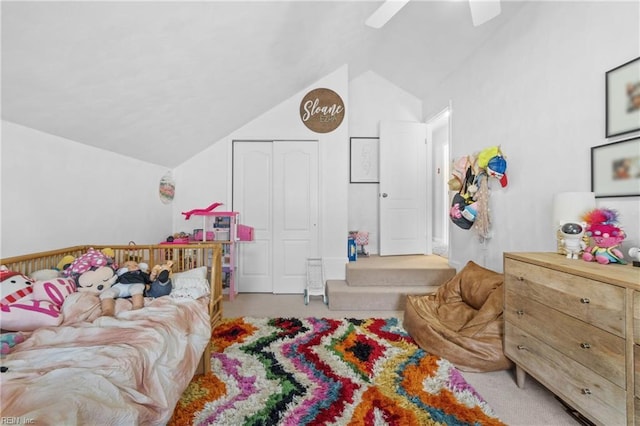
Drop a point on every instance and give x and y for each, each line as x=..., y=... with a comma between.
x=372, y=99
x=537, y=89
x=57, y=193
x=207, y=177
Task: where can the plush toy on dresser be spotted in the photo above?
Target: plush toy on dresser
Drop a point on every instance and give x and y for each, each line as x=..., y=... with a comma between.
x=605, y=237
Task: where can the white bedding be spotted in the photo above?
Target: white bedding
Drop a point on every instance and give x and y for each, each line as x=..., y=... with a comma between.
x=93, y=370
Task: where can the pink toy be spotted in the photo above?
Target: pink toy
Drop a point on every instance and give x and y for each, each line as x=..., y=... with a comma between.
x=188, y=214
x=9, y=340
x=605, y=236
x=21, y=310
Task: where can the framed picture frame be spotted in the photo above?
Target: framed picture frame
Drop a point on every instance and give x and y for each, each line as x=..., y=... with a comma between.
x=615, y=169
x=363, y=160
x=622, y=88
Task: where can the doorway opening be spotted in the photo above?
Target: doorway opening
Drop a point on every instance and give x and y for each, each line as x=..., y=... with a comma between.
x=439, y=138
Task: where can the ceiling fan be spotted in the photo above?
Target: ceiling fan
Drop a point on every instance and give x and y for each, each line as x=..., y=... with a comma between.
x=481, y=11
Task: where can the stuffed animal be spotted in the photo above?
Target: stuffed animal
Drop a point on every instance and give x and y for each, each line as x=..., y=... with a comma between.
x=605, y=237
x=157, y=283
x=27, y=304
x=9, y=340
x=65, y=262
x=160, y=278
x=94, y=272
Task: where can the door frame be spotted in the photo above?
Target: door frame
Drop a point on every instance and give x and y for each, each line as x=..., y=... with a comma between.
x=444, y=113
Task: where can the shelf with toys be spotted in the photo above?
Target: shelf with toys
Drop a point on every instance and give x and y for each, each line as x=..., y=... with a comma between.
x=222, y=227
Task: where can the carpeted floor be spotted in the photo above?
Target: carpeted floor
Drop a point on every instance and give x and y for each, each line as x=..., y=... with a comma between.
x=312, y=371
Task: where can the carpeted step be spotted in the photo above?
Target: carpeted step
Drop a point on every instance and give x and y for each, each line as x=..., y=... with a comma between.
x=399, y=271
x=345, y=297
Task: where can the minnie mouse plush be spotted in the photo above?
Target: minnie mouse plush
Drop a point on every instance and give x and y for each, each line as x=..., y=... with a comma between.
x=95, y=272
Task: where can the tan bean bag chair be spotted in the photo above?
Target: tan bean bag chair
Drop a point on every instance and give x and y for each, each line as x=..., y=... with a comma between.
x=462, y=321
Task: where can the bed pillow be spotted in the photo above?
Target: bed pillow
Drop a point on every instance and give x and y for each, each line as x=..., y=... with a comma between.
x=191, y=284
x=200, y=272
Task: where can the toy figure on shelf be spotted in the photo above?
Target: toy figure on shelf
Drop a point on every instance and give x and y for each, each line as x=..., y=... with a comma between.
x=605, y=237
x=571, y=240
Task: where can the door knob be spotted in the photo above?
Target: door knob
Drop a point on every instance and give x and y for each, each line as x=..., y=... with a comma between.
x=385, y=195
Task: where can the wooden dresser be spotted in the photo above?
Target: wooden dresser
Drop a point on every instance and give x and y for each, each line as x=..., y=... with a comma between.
x=575, y=327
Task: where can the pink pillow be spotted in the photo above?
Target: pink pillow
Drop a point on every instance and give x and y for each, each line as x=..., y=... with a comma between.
x=54, y=290
x=19, y=311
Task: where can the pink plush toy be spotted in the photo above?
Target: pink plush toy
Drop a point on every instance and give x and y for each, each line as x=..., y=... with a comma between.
x=27, y=304
x=605, y=237
x=9, y=340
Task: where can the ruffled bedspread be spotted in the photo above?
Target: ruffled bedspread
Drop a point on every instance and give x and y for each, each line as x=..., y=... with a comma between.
x=127, y=370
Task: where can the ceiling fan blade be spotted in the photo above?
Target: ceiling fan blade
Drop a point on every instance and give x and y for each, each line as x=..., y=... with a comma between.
x=385, y=12
x=484, y=10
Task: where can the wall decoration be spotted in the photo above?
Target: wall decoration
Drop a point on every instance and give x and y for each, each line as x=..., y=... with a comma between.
x=364, y=160
x=322, y=110
x=615, y=169
x=167, y=188
x=623, y=98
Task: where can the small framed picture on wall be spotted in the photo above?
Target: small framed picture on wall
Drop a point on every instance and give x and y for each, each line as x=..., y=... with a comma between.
x=364, y=160
x=615, y=169
x=622, y=89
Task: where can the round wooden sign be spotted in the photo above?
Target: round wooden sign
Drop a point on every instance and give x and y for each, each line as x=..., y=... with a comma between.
x=322, y=110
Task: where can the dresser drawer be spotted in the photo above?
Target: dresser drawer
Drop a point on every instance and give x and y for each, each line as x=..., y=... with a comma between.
x=592, y=347
x=594, y=302
x=593, y=395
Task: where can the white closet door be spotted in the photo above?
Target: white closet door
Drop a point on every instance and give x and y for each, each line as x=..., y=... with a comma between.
x=275, y=189
x=295, y=218
x=252, y=197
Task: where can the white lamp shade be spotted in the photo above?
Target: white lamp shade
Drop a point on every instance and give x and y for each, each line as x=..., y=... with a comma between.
x=571, y=206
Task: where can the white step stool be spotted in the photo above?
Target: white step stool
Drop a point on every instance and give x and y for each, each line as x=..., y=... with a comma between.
x=315, y=280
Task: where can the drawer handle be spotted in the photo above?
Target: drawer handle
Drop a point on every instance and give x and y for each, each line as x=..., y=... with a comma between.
x=520, y=278
x=520, y=312
x=585, y=345
x=586, y=391
x=521, y=347
x=585, y=300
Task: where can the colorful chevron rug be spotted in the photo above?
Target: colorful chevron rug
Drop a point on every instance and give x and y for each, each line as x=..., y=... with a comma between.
x=318, y=371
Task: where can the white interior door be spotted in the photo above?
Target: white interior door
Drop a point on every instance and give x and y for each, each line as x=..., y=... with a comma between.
x=252, y=197
x=295, y=219
x=403, y=188
x=275, y=189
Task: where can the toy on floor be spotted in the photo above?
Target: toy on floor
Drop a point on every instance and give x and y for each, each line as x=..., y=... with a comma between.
x=605, y=237
x=188, y=214
x=9, y=340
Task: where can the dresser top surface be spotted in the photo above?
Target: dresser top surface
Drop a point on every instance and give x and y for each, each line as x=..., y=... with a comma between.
x=622, y=275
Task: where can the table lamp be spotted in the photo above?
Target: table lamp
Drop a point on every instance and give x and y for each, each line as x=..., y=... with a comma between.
x=568, y=207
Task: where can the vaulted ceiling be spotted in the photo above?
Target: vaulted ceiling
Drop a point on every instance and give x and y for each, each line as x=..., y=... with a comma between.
x=160, y=81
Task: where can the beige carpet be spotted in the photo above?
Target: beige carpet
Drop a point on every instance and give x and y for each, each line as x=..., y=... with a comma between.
x=532, y=406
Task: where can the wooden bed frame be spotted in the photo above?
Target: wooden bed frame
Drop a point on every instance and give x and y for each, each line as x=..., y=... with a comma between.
x=184, y=257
